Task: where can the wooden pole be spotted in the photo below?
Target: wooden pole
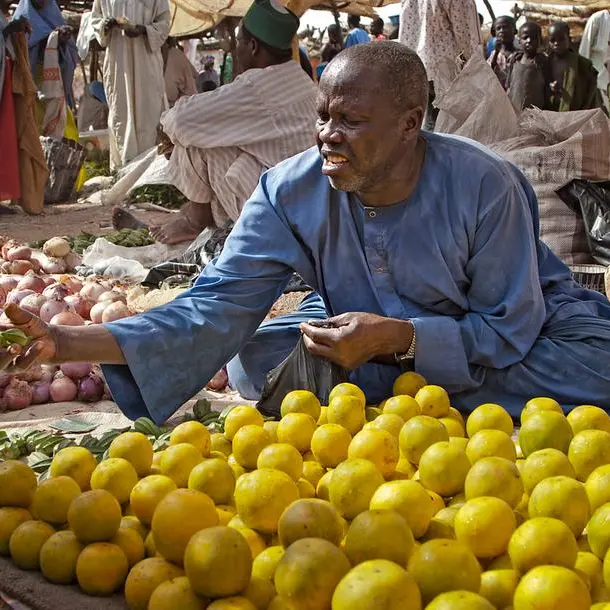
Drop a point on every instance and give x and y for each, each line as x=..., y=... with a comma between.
x=490, y=9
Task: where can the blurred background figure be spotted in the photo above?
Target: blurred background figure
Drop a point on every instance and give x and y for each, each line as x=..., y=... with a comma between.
x=377, y=30
x=356, y=34
x=179, y=73
x=331, y=49
x=595, y=45
x=504, y=48
x=208, y=74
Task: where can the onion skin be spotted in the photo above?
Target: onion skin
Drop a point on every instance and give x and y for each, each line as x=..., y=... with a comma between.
x=56, y=291
x=66, y=318
x=72, y=283
x=18, y=395
x=56, y=247
x=20, y=267
x=53, y=265
x=19, y=253
x=63, y=389
x=92, y=290
x=16, y=295
x=81, y=305
x=5, y=379
x=111, y=296
x=31, y=281
x=33, y=303
x=33, y=373
x=8, y=282
x=48, y=370
x=115, y=311
x=97, y=311
x=51, y=308
x=90, y=388
x=75, y=370
x=41, y=392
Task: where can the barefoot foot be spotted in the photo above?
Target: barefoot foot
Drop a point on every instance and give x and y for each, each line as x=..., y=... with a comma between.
x=175, y=231
x=219, y=381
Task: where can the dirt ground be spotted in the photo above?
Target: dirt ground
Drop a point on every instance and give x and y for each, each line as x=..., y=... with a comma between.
x=64, y=219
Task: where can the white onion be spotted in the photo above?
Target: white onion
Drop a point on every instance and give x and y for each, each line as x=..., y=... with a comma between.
x=31, y=281
x=51, y=308
x=97, y=311
x=92, y=290
x=115, y=311
x=8, y=282
x=111, y=296
x=66, y=318
x=16, y=295
x=19, y=253
x=81, y=305
x=33, y=303
x=56, y=291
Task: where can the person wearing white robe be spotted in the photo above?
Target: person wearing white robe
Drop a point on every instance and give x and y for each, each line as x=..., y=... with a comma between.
x=595, y=45
x=133, y=32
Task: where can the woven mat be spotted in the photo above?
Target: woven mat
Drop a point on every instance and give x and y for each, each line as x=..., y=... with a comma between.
x=32, y=590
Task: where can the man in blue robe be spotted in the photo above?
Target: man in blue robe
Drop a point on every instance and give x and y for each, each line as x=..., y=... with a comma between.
x=423, y=251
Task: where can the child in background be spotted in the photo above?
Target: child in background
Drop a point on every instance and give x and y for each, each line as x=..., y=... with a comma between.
x=528, y=75
x=506, y=30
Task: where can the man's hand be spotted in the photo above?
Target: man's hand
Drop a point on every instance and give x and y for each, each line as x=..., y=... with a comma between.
x=134, y=31
x=109, y=24
x=352, y=339
x=21, y=24
x=43, y=346
x=65, y=33
x=164, y=145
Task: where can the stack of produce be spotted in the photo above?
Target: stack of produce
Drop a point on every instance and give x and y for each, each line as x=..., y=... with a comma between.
x=402, y=507
x=37, y=282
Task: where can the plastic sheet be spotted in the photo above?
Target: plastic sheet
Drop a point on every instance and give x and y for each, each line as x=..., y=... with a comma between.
x=300, y=371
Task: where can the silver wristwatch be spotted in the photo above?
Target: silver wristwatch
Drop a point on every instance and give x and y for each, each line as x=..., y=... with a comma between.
x=405, y=359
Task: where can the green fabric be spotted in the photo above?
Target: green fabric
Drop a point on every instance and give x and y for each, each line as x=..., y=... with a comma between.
x=579, y=88
x=271, y=23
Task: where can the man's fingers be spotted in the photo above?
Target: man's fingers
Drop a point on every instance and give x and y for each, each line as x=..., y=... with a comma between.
x=323, y=336
x=25, y=320
x=8, y=355
x=26, y=359
x=317, y=349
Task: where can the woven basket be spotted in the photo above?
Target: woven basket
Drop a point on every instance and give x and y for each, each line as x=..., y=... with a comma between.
x=590, y=276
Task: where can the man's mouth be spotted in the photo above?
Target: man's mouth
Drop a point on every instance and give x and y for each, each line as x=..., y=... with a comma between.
x=333, y=163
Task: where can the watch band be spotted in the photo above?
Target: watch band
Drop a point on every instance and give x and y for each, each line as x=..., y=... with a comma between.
x=406, y=359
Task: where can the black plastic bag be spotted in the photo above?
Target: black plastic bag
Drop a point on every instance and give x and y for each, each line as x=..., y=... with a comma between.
x=591, y=201
x=300, y=371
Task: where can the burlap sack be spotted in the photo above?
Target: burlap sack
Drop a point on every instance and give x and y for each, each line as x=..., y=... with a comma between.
x=551, y=149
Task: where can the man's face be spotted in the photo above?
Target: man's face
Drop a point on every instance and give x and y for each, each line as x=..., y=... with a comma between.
x=243, y=51
x=530, y=40
x=505, y=31
x=358, y=130
x=559, y=41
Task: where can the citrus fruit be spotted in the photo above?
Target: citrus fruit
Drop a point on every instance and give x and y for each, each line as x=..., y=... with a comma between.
x=101, y=569
x=598, y=531
x=255, y=541
x=379, y=534
x=489, y=416
x=248, y=442
x=406, y=407
x=313, y=472
x=347, y=411
x=306, y=489
x=459, y=600
x=497, y=477
x=218, y=562
x=155, y=467
x=26, y=542
x=178, y=516
x=438, y=566
x=17, y=484
x=551, y=587
x=262, y=496
x=215, y=478
x=323, y=486
x=53, y=498
x=376, y=446
x=591, y=566
x=352, y=486
x=598, y=486
x=437, y=501
x=194, y=433
x=310, y=518
x=239, y=417
x=94, y=516
x=587, y=417
x=454, y=428
x=301, y=401
x=58, y=557
x=116, y=476
x=232, y=603
x=265, y=563
x=485, y=525
x=347, y=389
x=323, y=419
x=490, y=443
x=409, y=499
x=178, y=461
x=132, y=545
x=433, y=401
x=135, y=448
x=562, y=498
x=77, y=463
x=329, y=444
x=408, y=384
x=588, y=450
x=443, y=468
x=418, y=434
x=498, y=587
x=404, y=469
x=10, y=518
x=147, y=493
x=145, y=577
x=219, y=442
x=544, y=430
x=296, y=429
x=284, y=457
x=543, y=464
x=542, y=541
x=442, y=524
x=308, y=573
x=390, y=422
x=176, y=594
x=375, y=584
x=260, y=592
x=536, y=405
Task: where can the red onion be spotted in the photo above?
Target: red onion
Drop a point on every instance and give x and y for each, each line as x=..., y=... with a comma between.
x=33, y=373
x=97, y=311
x=41, y=392
x=63, y=389
x=17, y=295
x=72, y=283
x=115, y=311
x=90, y=388
x=8, y=282
x=19, y=253
x=51, y=308
x=56, y=291
x=81, y=305
x=11, y=243
x=92, y=290
x=48, y=370
x=49, y=280
x=33, y=303
x=75, y=370
x=18, y=395
x=16, y=267
x=5, y=379
x=67, y=318
x=31, y=281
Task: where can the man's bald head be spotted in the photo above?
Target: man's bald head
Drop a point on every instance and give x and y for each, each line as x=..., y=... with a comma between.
x=397, y=72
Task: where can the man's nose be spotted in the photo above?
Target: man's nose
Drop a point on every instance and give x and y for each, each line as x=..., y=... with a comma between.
x=329, y=133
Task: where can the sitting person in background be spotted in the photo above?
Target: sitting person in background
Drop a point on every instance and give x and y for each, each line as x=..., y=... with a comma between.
x=506, y=30
x=574, y=79
x=209, y=74
x=356, y=34
x=179, y=73
x=377, y=30
x=528, y=75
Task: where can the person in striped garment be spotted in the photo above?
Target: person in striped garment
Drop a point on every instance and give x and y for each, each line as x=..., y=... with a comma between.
x=224, y=139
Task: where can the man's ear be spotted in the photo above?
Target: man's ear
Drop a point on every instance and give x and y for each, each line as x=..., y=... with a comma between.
x=254, y=46
x=412, y=122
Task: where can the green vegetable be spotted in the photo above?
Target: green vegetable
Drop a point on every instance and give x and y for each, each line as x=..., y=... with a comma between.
x=14, y=335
